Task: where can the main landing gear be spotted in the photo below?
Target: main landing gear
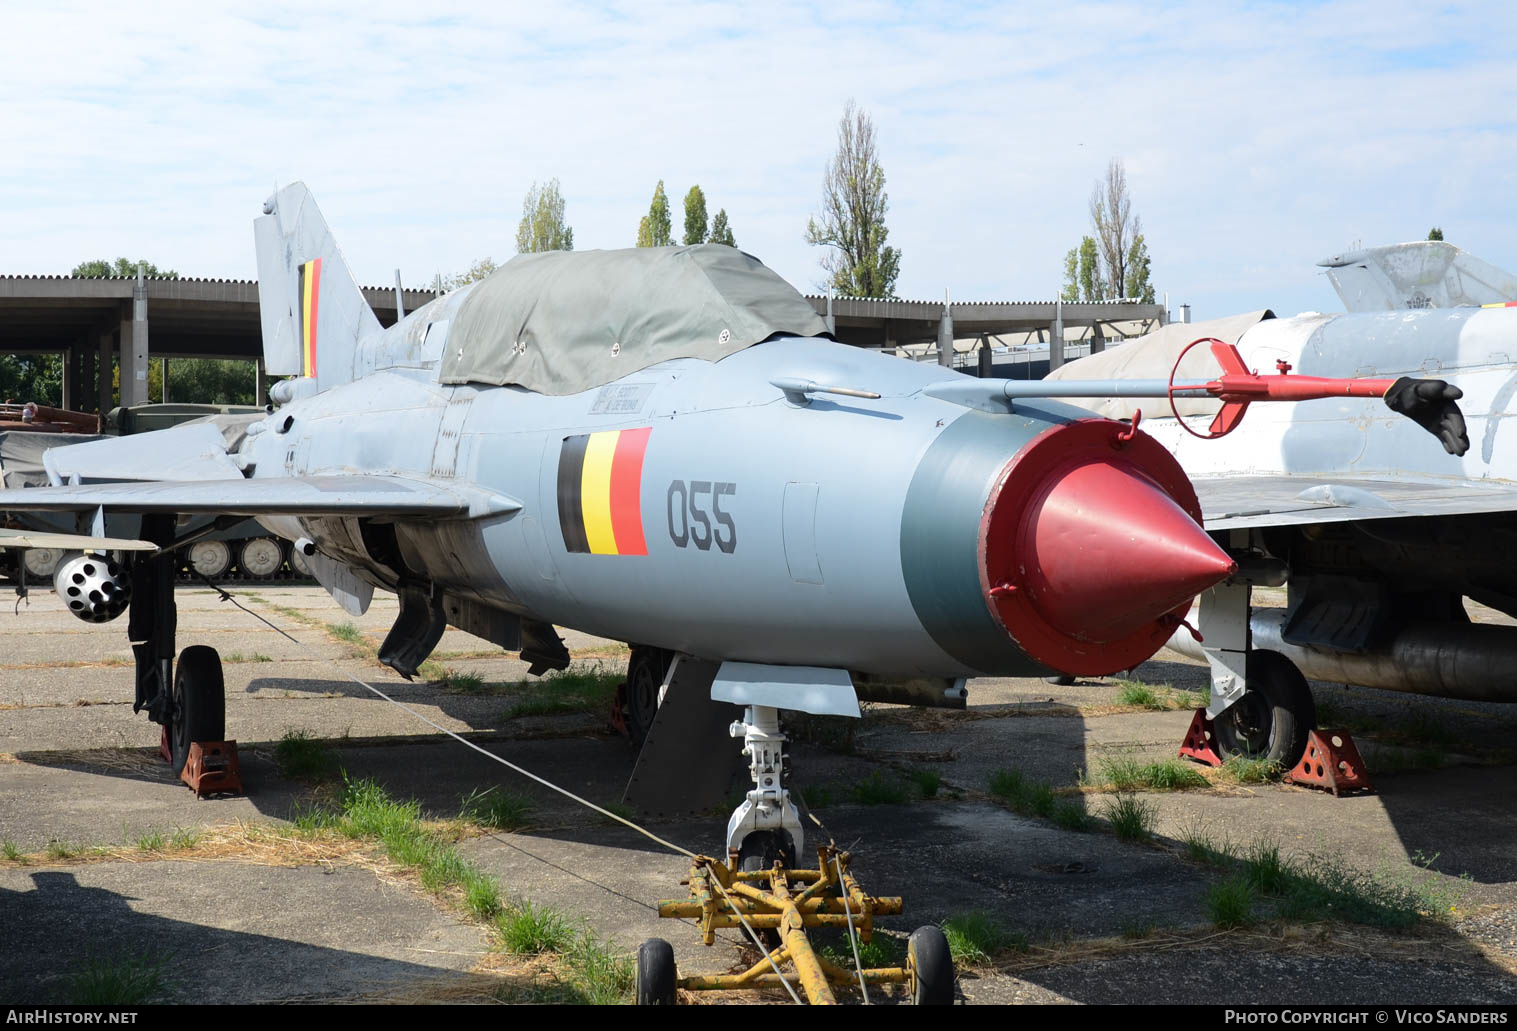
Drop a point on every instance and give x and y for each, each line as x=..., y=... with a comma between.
x=188, y=701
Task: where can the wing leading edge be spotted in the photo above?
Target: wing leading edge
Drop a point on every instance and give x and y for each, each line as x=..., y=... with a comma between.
x=368, y=495
x=1237, y=502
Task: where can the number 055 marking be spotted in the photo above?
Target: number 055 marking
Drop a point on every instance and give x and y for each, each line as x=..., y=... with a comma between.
x=692, y=507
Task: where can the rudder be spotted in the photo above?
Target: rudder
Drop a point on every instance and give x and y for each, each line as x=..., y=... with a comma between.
x=311, y=308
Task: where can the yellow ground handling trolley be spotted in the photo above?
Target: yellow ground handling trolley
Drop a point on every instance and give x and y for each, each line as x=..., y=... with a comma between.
x=779, y=905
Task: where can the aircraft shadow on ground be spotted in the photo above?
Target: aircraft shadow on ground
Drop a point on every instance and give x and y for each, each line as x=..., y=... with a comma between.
x=61, y=928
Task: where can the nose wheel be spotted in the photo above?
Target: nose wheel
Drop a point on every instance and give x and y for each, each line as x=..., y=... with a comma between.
x=1273, y=718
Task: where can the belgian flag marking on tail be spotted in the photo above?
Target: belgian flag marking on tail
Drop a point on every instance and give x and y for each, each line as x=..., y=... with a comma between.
x=600, y=478
x=310, y=295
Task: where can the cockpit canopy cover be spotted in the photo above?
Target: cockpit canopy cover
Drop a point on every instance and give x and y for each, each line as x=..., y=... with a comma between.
x=561, y=322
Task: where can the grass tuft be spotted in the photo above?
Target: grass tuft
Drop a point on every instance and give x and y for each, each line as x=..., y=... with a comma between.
x=117, y=980
x=1230, y=902
x=927, y=781
x=301, y=755
x=975, y=937
x=1243, y=770
x=185, y=838
x=12, y=851
x=527, y=929
x=576, y=689
x=152, y=841
x=1131, y=818
x=876, y=789
x=1024, y=796
x=62, y=849
x=496, y=809
x=346, y=632
x=1125, y=773
x=1133, y=692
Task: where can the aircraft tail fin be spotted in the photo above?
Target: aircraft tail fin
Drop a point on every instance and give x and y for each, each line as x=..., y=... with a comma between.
x=312, y=310
x=1421, y=274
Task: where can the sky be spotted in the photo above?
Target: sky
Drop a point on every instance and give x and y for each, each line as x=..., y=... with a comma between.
x=1258, y=138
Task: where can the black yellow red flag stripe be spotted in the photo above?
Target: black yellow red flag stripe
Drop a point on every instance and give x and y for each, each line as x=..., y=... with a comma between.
x=600, y=500
x=310, y=296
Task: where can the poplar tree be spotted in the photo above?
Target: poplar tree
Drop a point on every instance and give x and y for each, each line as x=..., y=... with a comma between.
x=852, y=222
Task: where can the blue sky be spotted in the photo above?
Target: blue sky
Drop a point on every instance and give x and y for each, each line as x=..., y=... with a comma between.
x=1258, y=138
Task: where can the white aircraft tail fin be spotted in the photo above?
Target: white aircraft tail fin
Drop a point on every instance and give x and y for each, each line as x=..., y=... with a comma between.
x=1422, y=274
x=312, y=311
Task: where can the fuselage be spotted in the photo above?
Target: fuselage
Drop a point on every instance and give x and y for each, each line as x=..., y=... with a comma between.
x=695, y=506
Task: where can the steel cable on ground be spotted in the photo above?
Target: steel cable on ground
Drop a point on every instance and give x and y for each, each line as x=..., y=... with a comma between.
x=226, y=596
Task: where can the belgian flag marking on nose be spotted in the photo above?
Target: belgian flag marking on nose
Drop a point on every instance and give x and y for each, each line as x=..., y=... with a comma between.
x=600, y=479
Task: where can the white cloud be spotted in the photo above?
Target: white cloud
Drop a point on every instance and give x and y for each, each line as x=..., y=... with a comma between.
x=1257, y=138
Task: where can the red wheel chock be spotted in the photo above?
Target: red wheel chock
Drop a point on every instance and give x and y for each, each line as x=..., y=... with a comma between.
x=1331, y=762
x=212, y=769
x=1198, y=741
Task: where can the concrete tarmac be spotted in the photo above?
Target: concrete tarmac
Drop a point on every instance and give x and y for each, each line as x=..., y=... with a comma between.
x=259, y=918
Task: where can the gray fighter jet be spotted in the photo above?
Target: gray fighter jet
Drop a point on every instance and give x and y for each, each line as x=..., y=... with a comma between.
x=662, y=447
x=1378, y=535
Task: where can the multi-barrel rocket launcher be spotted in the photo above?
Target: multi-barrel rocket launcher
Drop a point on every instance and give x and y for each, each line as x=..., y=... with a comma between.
x=663, y=447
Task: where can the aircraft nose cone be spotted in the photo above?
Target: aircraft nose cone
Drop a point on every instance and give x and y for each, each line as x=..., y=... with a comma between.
x=1107, y=552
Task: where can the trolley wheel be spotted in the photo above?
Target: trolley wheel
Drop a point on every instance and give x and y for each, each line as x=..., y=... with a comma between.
x=645, y=677
x=655, y=973
x=260, y=557
x=199, y=702
x=41, y=562
x=211, y=559
x=929, y=967
x=1273, y=718
x=299, y=563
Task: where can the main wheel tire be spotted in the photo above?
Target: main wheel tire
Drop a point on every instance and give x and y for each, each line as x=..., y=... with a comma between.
x=211, y=559
x=929, y=967
x=645, y=678
x=655, y=973
x=260, y=557
x=1272, y=719
x=1062, y=680
x=199, y=703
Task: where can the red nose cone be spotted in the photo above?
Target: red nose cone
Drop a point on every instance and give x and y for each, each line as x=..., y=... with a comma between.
x=1107, y=552
x=1092, y=548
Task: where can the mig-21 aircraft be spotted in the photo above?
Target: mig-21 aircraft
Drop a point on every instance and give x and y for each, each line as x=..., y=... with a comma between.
x=663, y=447
x=1377, y=537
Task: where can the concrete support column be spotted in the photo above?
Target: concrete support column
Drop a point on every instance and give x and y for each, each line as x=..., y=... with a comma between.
x=69, y=377
x=1097, y=340
x=984, y=355
x=945, y=338
x=103, y=369
x=1056, y=337
x=260, y=384
x=134, y=356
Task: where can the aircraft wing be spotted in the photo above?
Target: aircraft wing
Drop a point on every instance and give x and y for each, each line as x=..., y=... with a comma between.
x=367, y=495
x=1235, y=502
x=25, y=539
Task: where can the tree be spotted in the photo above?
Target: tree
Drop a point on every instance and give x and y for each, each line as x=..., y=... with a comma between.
x=542, y=226
x=32, y=377
x=695, y=216
x=1114, y=223
x=721, y=232
x=1082, y=273
x=852, y=222
x=102, y=269
x=1137, y=272
x=477, y=271
x=653, y=231
x=1113, y=260
x=1435, y=233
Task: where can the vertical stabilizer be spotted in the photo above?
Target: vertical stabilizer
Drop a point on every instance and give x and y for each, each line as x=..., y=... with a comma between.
x=312, y=311
x=1421, y=274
